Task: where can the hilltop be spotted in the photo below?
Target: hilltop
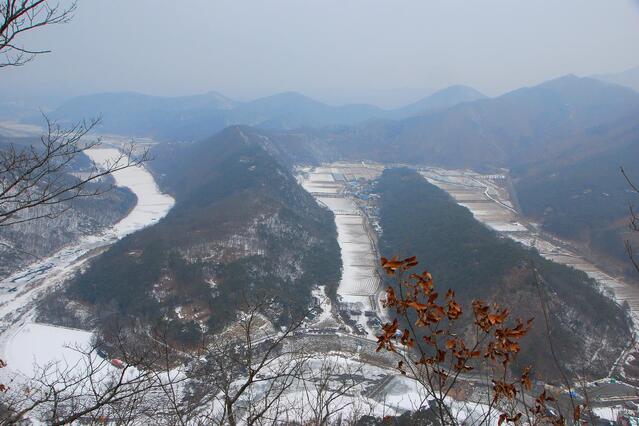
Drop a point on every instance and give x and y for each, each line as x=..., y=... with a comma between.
x=242, y=231
x=588, y=330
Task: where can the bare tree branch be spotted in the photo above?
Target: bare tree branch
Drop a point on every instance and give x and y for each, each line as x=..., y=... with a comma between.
x=21, y=16
x=40, y=175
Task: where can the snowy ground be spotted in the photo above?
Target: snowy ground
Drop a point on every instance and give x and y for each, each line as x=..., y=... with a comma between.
x=152, y=204
x=340, y=386
x=20, y=292
x=325, y=319
x=34, y=346
x=607, y=413
x=344, y=388
x=359, y=285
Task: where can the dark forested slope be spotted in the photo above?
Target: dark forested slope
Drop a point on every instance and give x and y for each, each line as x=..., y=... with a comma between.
x=587, y=328
x=586, y=199
x=242, y=230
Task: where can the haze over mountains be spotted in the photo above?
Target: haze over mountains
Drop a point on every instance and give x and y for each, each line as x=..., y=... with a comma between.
x=628, y=78
x=563, y=141
x=242, y=227
x=519, y=127
x=361, y=213
x=196, y=117
x=547, y=135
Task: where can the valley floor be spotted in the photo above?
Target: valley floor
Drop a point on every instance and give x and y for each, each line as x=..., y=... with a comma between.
x=343, y=333
x=359, y=290
x=343, y=188
x=489, y=198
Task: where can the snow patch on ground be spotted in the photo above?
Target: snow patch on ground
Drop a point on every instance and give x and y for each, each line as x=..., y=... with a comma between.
x=325, y=318
x=607, y=413
x=33, y=346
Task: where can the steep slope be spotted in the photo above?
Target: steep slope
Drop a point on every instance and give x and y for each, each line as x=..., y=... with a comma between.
x=588, y=330
x=582, y=196
x=242, y=230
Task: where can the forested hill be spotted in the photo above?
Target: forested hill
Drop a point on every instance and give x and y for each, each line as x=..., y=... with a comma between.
x=588, y=330
x=586, y=200
x=536, y=123
x=242, y=230
x=563, y=141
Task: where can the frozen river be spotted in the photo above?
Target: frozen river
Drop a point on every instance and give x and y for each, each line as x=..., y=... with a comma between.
x=20, y=292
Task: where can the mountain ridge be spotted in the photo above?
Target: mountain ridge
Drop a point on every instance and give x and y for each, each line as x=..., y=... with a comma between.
x=198, y=116
x=242, y=231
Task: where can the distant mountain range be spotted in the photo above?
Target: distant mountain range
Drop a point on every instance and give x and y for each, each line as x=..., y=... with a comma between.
x=628, y=78
x=522, y=126
x=197, y=117
x=242, y=225
x=440, y=100
x=563, y=140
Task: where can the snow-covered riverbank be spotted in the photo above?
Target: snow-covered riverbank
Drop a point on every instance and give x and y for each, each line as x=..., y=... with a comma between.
x=20, y=292
x=151, y=206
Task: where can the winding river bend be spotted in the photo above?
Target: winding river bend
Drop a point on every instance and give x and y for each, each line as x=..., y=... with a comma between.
x=20, y=292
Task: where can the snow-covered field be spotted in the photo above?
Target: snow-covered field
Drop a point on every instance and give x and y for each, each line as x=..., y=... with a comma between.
x=359, y=285
x=33, y=346
x=341, y=205
x=19, y=293
x=487, y=198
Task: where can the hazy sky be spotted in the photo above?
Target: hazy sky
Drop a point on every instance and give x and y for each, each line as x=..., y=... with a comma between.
x=336, y=50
